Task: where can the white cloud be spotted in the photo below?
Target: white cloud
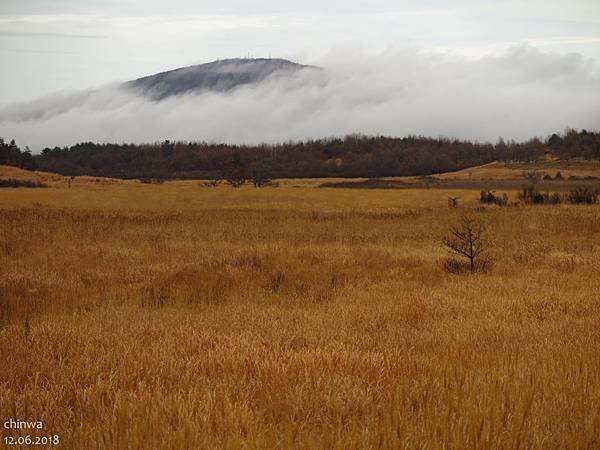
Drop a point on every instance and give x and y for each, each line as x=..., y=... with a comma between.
x=519, y=94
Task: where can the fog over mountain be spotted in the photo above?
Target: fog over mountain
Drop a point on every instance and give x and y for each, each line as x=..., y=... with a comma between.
x=521, y=93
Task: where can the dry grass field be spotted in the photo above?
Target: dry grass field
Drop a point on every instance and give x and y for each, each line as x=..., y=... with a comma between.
x=52, y=179
x=173, y=316
x=511, y=171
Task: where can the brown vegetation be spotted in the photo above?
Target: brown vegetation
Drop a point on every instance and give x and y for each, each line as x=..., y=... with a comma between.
x=351, y=156
x=167, y=316
x=52, y=179
x=14, y=183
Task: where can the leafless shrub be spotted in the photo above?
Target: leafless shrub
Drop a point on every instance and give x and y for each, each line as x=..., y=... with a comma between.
x=553, y=198
x=490, y=198
x=582, y=196
x=531, y=196
x=557, y=177
x=453, y=202
x=533, y=176
x=466, y=241
x=236, y=178
x=260, y=179
x=213, y=182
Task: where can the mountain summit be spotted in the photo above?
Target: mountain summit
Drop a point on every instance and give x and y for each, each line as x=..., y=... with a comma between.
x=220, y=76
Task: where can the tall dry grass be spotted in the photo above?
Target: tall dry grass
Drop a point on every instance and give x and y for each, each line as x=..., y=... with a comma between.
x=172, y=316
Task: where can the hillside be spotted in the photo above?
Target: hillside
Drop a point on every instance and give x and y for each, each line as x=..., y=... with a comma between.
x=51, y=179
x=353, y=156
x=218, y=76
x=499, y=170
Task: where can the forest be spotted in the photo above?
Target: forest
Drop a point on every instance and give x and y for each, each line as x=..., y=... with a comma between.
x=351, y=156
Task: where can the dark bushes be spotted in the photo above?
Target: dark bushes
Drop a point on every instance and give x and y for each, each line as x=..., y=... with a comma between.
x=12, y=183
x=579, y=196
x=371, y=183
x=237, y=178
x=531, y=196
x=582, y=196
x=152, y=180
x=348, y=157
x=490, y=198
x=213, y=182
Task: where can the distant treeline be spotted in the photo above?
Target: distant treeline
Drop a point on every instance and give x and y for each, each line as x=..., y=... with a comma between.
x=12, y=155
x=352, y=156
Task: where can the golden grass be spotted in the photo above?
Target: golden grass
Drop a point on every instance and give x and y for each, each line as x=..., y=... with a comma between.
x=171, y=316
x=52, y=179
x=514, y=171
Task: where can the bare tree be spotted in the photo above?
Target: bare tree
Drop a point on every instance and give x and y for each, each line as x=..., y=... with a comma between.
x=259, y=179
x=489, y=197
x=533, y=176
x=453, y=202
x=212, y=182
x=466, y=240
x=236, y=178
x=260, y=173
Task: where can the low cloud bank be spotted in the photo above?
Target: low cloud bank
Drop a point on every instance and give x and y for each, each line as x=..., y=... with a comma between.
x=517, y=95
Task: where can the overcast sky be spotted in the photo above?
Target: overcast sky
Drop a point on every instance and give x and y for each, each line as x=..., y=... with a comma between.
x=54, y=45
x=465, y=68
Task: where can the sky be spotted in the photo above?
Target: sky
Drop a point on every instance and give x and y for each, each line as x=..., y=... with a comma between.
x=52, y=48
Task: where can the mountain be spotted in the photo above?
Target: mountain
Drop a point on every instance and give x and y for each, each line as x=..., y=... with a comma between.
x=218, y=76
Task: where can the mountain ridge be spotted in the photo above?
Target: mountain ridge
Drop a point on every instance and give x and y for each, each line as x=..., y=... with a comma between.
x=222, y=75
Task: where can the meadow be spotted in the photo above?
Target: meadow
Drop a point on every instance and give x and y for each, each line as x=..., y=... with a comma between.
x=175, y=316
